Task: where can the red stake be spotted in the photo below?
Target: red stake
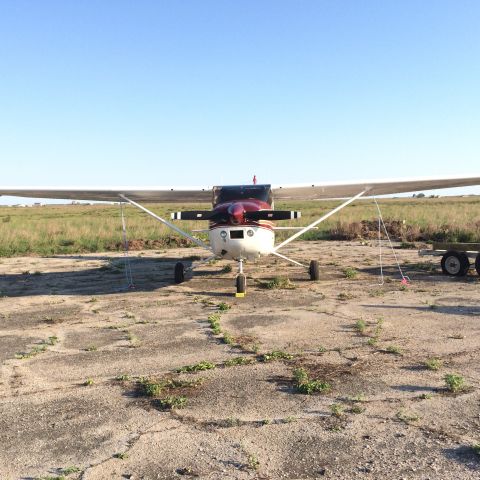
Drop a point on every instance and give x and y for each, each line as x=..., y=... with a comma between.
x=254, y=179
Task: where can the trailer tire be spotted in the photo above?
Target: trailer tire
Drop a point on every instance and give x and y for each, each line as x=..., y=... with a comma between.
x=477, y=263
x=455, y=264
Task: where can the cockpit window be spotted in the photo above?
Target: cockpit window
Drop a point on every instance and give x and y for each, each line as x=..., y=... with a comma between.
x=242, y=192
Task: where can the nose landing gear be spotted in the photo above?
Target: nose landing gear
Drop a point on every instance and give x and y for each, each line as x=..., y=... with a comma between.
x=241, y=281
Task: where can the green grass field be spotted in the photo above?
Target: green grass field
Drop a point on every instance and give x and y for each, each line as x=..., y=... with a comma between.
x=58, y=229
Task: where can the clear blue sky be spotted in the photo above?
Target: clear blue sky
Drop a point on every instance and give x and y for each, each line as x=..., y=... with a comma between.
x=210, y=92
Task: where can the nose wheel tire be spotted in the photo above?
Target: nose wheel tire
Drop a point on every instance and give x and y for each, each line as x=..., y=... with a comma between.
x=179, y=272
x=455, y=264
x=314, y=270
x=241, y=282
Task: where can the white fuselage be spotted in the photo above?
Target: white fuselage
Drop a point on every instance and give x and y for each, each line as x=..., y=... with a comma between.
x=242, y=242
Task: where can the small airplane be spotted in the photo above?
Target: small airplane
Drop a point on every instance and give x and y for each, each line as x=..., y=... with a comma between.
x=241, y=222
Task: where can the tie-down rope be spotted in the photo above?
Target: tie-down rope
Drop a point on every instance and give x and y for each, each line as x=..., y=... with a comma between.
x=405, y=280
x=128, y=267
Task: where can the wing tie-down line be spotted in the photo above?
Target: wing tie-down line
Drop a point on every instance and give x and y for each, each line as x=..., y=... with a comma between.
x=313, y=225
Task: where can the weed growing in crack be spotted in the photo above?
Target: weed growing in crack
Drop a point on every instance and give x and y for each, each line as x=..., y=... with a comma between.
x=394, y=350
x=238, y=361
x=223, y=307
x=407, y=417
x=121, y=456
x=278, y=283
x=276, y=355
x=197, y=367
x=305, y=385
x=172, y=401
x=337, y=410
x=350, y=272
x=360, y=326
x=454, y=383
x=433, y=364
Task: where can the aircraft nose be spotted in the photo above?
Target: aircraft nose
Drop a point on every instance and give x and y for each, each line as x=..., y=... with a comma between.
x=236, y=213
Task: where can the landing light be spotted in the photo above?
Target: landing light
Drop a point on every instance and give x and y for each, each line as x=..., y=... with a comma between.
x=250, y=233
x=223, y=234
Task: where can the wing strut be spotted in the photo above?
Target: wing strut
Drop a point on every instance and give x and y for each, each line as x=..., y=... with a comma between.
x=316, y=222
x=168, y=224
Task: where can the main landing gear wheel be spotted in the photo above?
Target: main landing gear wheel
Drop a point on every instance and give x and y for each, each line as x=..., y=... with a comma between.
x=477, y=264
x=314, y=270
x=455, y=264
x=241, y=282
x=179, y=272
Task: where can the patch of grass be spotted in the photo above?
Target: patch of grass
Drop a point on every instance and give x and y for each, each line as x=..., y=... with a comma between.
x=92, y=300
x=476, y=448
x=214, y=321
x=129, y=315
x=337, y=410
x=228, y=339
x=88, y=382
x=227, y=269
x=305, y=385
x=279, y=283
x=372, y=341
x=357, y=409
x=344, y=296
x=70, y=470
x=395, y=350
x=123, y=378
x=454, y=383
x=252, y=462
x=133, y=339
x=360, y=326
x=276, y=355
x=172, y=401
x=36, y=349
x=121, y=456
x=350, y=272
x=290, y=419
x=433, y=364
x=223, y=307
x=51, y=340
x=197, y=367
x=238, y=361
x=91, y=348
x=360, y=397
x=232, y=422
x=426, y=396
x=321, y=349
x=407, y=417
x=407, y=246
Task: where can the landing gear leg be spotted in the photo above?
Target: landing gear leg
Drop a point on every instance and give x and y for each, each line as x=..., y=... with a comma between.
x=241, y=280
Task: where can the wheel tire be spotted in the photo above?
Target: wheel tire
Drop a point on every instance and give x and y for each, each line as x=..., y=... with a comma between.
x=477, y=263
x=455, y=264
x=179, y=272
x=314, y=270
x=241, y=282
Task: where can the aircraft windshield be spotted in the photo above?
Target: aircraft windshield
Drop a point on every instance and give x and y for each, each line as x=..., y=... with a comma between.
x=242, y=192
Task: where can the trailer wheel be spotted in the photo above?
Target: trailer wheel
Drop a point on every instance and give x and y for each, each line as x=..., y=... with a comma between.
x=477, y=263
x=455, y=264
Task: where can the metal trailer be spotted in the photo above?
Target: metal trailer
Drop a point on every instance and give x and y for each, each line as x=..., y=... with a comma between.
x=456, y=257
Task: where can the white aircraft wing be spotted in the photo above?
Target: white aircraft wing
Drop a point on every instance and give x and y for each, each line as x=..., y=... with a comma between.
x=112, y=194
x=330, y=190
